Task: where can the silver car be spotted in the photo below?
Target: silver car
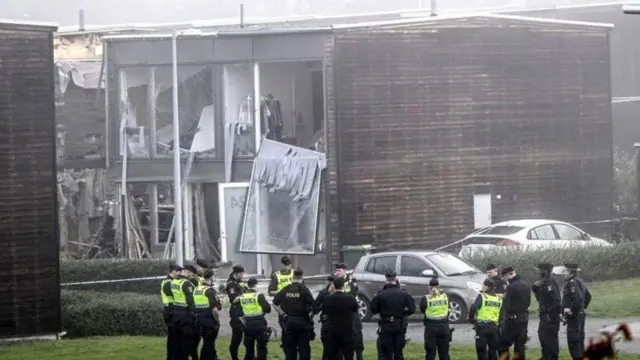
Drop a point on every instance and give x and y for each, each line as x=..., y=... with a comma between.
x=459, y=279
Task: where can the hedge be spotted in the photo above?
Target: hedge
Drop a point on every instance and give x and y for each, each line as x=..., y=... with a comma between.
x=72, y=271
x=617, y=262
x=91, y=313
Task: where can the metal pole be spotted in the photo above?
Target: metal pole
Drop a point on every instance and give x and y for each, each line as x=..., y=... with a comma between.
x=177, y=186
x=257, y=114
x=241, y=15
x=637, y=146
x=433, y=8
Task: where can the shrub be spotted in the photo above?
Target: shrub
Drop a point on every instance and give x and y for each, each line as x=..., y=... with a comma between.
x=617, y=262
x=91, y=313
x=93, y=270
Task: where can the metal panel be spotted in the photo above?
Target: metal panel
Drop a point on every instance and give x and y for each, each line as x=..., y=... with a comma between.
x=288, y=47
x=29, y=260
x=158, y=52
x=425, y=112
x=236, y=49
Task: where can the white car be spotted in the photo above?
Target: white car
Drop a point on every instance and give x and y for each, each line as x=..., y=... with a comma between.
x=532, y=233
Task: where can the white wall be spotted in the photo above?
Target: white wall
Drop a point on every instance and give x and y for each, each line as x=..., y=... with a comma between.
x=280, y=79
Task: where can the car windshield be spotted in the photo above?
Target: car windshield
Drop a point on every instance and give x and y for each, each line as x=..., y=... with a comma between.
x=452, y=265
x=502, y=230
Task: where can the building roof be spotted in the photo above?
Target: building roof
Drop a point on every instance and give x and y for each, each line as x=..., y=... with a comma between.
x=284, y=28
x=6, y=24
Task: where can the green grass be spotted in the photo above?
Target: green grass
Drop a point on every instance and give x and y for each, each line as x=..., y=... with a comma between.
x=146, y=348
x=611, y=299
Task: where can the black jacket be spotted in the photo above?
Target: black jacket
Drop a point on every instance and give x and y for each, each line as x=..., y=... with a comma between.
x=547, y=292
x=575, y=295
x=517, y=300
x=393, y=302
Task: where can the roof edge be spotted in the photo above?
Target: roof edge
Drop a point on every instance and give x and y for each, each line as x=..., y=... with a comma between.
x=42, y=25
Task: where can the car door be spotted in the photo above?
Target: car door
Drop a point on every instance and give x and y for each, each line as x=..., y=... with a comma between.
x=372, y=280
x=542, y=236
x=410, y=275
x=569, y=235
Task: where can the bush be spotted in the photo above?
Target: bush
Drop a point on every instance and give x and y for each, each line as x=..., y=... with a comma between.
x=93, y=270
x=617, y=262
x=91, y=313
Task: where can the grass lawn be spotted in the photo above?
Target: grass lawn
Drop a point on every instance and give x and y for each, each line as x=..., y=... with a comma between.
x=146, y=348
x=611, y=299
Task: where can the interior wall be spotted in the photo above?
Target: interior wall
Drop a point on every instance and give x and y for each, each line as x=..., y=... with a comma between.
x=238, y=84
x=291, y=83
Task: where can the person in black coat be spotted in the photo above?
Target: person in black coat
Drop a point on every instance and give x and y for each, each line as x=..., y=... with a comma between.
x=547, y=292
x=575, y=300
x=318, y=308
x=394, y=307
x=340, y=308
x=515, y=313
x=499, y=285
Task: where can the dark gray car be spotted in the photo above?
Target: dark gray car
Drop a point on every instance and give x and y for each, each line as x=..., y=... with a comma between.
x=459, y=279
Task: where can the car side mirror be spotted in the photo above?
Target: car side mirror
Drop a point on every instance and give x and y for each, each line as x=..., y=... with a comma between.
x=429, y=273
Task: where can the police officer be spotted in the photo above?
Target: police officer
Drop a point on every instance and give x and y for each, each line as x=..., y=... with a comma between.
x=207, y=307
x=252, y=307
x=340, y=308
x=182, y=317
x=167, y=301
x=295, y=304
x=499, y=284
x=484, y=314
x=279, y=280
x=318, y=308
x=394, y=306
x=351, y=288
x=575, y=300
x=517, y=300
x=437, y=335
x=547, y=292
x=235, y=287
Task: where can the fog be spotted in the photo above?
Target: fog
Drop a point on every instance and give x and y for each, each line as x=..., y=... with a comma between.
x=64, y=12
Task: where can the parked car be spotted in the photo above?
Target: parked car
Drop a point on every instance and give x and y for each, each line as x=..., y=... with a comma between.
x=530, y=233
x=459, y=279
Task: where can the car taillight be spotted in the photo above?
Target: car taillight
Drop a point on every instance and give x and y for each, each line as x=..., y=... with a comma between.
x=506, y=242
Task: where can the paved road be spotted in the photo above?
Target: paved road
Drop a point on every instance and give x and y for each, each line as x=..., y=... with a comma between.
x=464, y=334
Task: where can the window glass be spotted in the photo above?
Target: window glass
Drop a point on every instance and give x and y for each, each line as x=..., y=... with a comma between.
x=411, y=266
x=380, y=264
x=544, y=232
x=532, y=235
x=502, y=230
x=567, y=232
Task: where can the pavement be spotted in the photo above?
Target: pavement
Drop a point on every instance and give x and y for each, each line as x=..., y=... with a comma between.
x=464, y=334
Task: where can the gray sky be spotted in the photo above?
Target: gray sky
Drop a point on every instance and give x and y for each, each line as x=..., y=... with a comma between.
x=101, y=12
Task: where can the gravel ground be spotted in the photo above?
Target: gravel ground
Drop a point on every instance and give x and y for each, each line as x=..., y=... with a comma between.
x=464, y=334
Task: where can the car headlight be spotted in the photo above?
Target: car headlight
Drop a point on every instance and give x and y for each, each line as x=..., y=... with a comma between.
x=474, y=286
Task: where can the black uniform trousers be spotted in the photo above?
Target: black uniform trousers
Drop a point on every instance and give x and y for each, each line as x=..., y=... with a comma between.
x=575, y=335
x=283, y=336
x=237, y=330
x=184, y=326
x=324, y=339
x=548, y=335
x=487, y=341
x=358, y=341
x=208, y=330
x=172, y=338
x=340, y=345
x=437, y=339
x=391, y=340
x=514, y=332
x=298, y=336
x=255, y=340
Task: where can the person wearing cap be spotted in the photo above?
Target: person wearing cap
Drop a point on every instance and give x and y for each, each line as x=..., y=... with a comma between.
x=318, y=308
x=437, y=335
x=499, y=284
x=515, y=308
x=167, y=301
x=351, y=288
x=279, y=280
x=547, y=292
x=182, y=317
x=340, y=308
x=294, y=304
x=207, y=307
x=393, y=306
x=484, y=314
x=575, y=300
x=235, y=288
x=252, y=307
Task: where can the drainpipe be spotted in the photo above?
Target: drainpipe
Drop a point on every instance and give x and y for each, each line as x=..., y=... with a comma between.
x=81, y=26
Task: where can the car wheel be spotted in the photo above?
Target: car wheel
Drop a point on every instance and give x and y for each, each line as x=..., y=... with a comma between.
x=457, y=310
x=364, y=308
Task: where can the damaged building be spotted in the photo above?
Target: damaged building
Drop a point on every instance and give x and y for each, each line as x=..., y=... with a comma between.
x=412, y=132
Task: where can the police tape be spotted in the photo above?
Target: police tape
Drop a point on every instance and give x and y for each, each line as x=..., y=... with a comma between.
x=260, y=279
